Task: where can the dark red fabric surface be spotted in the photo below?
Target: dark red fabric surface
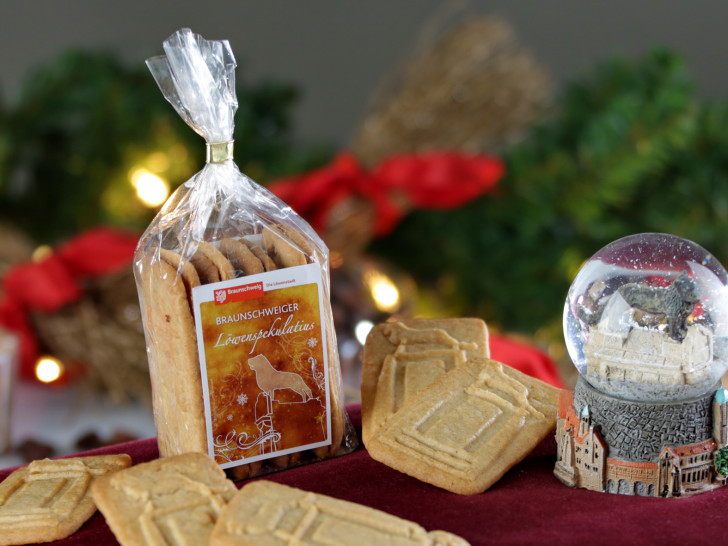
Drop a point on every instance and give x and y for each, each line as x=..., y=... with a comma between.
x=527, y=506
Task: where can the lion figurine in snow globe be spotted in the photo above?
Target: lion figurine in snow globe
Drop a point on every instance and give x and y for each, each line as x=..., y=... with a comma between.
x=646, y=326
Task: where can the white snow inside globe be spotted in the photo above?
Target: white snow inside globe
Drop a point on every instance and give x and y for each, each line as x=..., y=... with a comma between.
x=646, y=319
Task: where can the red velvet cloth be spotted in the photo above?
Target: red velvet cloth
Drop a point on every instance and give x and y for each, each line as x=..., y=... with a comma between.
x=527, y=506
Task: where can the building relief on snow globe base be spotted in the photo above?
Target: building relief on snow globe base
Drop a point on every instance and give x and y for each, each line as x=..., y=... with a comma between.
x=649, y=449
x=646, y=324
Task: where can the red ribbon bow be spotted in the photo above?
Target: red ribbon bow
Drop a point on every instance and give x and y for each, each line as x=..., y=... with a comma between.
x=55, y=281
x=437, y=180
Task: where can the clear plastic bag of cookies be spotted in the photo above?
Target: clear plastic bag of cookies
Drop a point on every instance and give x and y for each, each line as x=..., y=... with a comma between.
x=234, y=290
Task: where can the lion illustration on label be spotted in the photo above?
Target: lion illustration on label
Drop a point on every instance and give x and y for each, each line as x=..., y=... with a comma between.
x=270, y=380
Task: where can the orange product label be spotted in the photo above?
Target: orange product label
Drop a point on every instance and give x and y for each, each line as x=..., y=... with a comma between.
x=263, y=361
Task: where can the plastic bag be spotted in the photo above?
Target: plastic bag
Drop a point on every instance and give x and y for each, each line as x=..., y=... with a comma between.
x=234, y=291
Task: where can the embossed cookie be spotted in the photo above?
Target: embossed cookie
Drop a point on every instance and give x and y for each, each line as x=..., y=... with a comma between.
x=402, y=358
x=171, y=501
x=185, y=270
x=463, y=432
x=211, y=264
x=281, y=250
x=50, y=499
x=268, y=513
x=173, y=360
x=298, y=239
x=258, y=252
x=241, y=257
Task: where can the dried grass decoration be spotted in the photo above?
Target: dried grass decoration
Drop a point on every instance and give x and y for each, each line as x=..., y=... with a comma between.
x=15, y=247
x=102, y=334
x=475, y=89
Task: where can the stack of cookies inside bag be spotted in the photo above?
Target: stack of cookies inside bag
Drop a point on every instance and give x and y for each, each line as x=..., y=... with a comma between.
x=167, y=282
x=234, y=290
x=436, y=407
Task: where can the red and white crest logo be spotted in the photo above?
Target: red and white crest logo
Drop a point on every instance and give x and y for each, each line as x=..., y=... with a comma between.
x=239, y=293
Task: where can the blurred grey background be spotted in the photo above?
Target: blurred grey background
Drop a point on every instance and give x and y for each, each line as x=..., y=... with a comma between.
x=338, y=51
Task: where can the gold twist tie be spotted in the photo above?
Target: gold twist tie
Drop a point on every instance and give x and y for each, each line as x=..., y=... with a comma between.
x=219, y=152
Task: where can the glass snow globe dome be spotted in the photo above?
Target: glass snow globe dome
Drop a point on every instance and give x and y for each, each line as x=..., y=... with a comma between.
x=646, y=319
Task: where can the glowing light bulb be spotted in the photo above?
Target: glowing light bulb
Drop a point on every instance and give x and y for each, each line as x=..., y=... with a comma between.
x=41, y=253
x=362, y=329
x=48, y=369
x=384, y=292
x=151, y=189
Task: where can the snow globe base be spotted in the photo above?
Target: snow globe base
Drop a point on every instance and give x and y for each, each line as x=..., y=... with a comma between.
x=656, y=449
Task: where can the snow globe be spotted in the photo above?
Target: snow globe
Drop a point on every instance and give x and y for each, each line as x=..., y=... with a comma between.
x=646, y=326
